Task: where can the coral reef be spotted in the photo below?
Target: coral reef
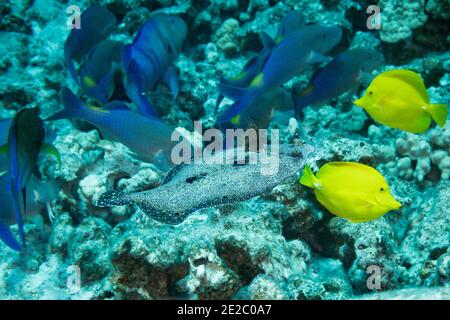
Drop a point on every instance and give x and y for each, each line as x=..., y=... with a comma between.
x=400, y=18
x=281, y=245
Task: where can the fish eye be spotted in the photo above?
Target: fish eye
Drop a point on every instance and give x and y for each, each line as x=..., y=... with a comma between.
x=381, y=189
x=370, y=92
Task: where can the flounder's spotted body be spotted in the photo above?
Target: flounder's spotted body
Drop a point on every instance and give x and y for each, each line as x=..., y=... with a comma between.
x=190, y=187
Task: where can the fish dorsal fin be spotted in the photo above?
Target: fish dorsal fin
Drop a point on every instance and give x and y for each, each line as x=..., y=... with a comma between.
x=411, y=78
x=267, y=41
x=293, y=21
x=307, y=91
x=349, y=165
x=116, y=105
x=172, y=173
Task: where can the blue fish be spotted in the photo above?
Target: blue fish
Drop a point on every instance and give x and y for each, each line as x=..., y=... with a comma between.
x=149, y=137
x=344, y=73
x=97, y=73
x=292, y=22
x=149, y=59
x=96, y=24
x=38, y=194
x=260, y=113
x=298, y=50
x=4, y=130
x=25, y=142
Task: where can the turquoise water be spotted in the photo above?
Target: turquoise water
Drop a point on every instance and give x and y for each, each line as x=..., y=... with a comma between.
x=148, y=71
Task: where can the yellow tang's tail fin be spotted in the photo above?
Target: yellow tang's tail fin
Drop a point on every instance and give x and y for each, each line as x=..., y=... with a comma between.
x=309, y=179
x=439, y=113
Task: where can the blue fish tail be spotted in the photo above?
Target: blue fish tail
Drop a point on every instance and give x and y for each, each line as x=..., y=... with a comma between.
x=126, y=56
x=71, y=68
x=232, y=92
x=237, y=108
x=299, y=104
x=8, y=238
x=218, y=102
x=134, y=74
x=19, y=220
x=71, y=103
x=104, y=89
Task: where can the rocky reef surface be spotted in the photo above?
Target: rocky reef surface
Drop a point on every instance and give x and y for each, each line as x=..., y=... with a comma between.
x=282, y=245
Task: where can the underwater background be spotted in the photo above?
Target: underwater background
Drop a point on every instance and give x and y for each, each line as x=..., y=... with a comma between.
x=280, y=245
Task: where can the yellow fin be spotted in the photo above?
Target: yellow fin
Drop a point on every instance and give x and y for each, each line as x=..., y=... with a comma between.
x=308, y=90
x=355, y=165
x=279, y=39
x=236, y=120
x=51, y=150
x=258, y=81
x=239, y=76
x=410, y=77
x=89, y=81
x=309, y=179
x=4, y=149
x=97, y=109
x=438, y=112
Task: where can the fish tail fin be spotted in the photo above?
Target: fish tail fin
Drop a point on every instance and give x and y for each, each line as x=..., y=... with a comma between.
x=18, y=212
x=8, y=238
x=309, y=179
x=71, y=68
x=232, y=92
x=235, y=109
x=243, y=100
x=104, y=89
x=439, y=113
x=71, y=104
x=114, y=198
x=218, y=102
x=299, y=105
x=134, y=87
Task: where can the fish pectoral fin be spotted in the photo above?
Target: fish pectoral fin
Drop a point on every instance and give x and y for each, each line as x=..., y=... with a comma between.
x=52, y=151
x=170, y=79
x=316, y=57
x=266, y=40
x=4, y=149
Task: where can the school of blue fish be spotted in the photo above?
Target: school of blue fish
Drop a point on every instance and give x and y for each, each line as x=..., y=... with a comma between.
x=115, y=80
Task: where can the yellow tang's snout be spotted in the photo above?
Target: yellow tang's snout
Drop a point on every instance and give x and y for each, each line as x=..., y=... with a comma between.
x=359, y=102
x=385, y=199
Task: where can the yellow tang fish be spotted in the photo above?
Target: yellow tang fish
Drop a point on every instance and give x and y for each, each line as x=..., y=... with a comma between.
x=399, y=99
x=351, y=190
